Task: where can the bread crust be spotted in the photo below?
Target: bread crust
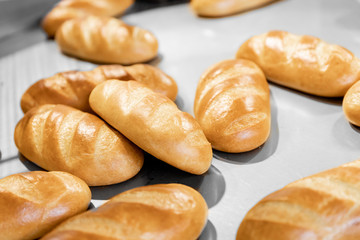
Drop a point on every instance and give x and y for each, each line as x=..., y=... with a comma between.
x=33, y=203
x=232, y=106
x=58, y=137
x=154, y=123
x=72, y=88
x=321, y=206
x=221, y=8
x=351, y=104
x=303, y=62
x=162, y=211
x=70, y=9
x=106, y=40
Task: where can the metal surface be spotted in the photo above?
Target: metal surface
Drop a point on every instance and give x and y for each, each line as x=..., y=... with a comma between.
x=309, y=134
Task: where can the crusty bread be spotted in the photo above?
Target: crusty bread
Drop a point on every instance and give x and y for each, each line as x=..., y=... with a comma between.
x=232, y=106
x=58, y=137
x=351, y=104
x=155, y=212
x=322, y=206
x=304, y=63
x=33, y=203
x=73, y=88
x=69, y=9
x=221, y=8
x=154, y=123
x=106, y=40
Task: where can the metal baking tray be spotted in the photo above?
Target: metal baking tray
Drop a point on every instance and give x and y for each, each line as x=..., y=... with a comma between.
x=308, y=134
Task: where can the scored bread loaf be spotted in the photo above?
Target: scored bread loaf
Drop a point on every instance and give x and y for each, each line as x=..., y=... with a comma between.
x=351, y=104
x=232, y=106
x=33, y=203
x=62, y=138
x=73, y=88
x=322, y=206
x=106, y=40
x=155, y=212
x=69, y=9
x=154, y=123
x=221, y=8
x=302, y=62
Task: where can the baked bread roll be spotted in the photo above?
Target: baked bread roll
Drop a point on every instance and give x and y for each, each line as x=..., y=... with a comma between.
x=61, y=138
x=69, y=9
x=106, y=40
x=73, y=88
x=154, y=123
x=304, y=63
x=221, y=8
x=322, y=206
x=162, y=211
x=33, y=203
x=351, y=104
x=232, y=106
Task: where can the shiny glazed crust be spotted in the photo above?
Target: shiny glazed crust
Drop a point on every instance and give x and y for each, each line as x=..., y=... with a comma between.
x=322, y=206
x=69, y=9
x=106, y=40
x=162, y=211
x=304, y=63
x=351, y=104
x=33, y=203
x=73, y=88
x=221, y=8
x=232, y=106
x=154, y=123
x=58, y=137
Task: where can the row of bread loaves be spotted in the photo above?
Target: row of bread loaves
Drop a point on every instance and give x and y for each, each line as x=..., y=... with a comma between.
x=87, y=30
x=53, y=204
x=232, y=102
x=325, y=205
x=61, y=138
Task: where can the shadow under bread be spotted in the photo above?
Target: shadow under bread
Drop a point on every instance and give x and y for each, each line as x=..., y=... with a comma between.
x=209, y=232
x=28, y=164
x=211, y=184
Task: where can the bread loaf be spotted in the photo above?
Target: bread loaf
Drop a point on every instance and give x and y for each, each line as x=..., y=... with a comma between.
x=58, y=137
x=304, y=63
x=154, y=123
x=351, y=104
x=70, y=9
x=73, y=88
x=163, y=211
x=232, y=106
x=322, y=206
x=221, y=8
x=33, y=203
x=106, y=40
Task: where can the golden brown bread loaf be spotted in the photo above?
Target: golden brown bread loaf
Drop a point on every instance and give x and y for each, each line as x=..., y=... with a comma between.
x=58, y=137
x=351, y=104
x=69, y=9
x=73, y=88
x=106, y=40
x=232, y=106
x=154, y=123
x=322, y=206
x=33, y=203
x=221, y=8
x=304, y=63
x=155, y=212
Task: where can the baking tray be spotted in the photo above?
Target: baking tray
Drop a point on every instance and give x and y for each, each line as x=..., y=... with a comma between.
x=308, y=134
